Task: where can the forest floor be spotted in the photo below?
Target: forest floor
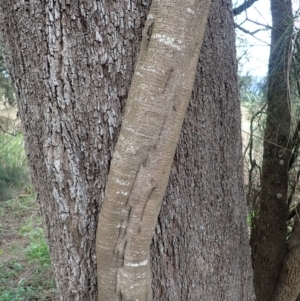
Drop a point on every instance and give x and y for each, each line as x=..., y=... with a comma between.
x=25, y=270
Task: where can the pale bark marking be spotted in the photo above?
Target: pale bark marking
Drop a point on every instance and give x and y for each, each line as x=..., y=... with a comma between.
x=150, y=16
x=190, y=10
x=130, y=264
x=169, y=41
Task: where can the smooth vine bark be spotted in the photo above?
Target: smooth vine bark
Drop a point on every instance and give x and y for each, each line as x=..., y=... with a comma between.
x=269, y=233
x=158, y=98
x=71, y=64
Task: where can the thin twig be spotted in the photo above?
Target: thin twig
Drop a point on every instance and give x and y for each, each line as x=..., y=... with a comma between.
x=266, y=141
x=251, y=33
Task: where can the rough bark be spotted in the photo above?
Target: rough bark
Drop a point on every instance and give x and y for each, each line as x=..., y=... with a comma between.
x=200, y=248
x=71, y=63
x=139, y=172
x=289, y=283
x=269, y=231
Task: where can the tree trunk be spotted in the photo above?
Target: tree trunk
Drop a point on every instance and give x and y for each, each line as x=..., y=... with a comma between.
x=72, y=63
x=269, y=231
x=289, y=283
x=200, y=248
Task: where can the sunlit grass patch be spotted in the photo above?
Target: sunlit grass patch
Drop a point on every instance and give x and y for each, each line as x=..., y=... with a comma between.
x=37, y=250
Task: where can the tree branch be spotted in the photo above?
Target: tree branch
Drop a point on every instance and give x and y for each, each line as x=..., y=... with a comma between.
x=238, y=10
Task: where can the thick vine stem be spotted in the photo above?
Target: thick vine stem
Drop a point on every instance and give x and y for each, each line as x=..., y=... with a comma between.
x=156, y=106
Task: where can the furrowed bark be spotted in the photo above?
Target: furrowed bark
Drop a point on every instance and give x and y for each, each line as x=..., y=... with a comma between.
x=268, y=238
x=158, y=98
x=200, y=249
x=71, y=63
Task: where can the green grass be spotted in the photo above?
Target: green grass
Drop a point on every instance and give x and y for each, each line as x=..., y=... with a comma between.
x=25, y=265
x=26, y=272
x=37, y=250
